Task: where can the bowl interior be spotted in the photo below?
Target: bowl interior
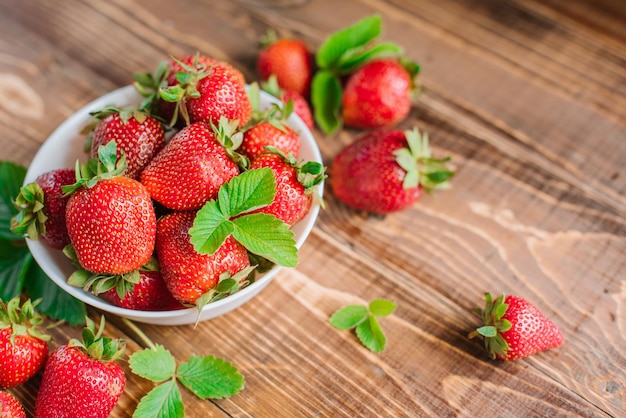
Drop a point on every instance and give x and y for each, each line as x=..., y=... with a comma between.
x=61, y=150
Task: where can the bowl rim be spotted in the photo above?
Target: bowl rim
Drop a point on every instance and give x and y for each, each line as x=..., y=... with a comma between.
x=126, y=96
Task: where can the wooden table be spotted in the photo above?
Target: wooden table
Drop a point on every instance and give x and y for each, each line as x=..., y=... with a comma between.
x=529, y=99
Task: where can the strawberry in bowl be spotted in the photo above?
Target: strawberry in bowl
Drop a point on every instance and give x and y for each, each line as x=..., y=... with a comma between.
x=231, y=288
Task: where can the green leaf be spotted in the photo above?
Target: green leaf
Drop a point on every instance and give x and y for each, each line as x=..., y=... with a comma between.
x=56, y=302
x=267, y=236
x=356, y=57
x=11, y=179
x=354, y=36
x=326, y=92
x=487, y=331
x=14, y=263
x=250, y=190
x=210, y=228
x=382, y=307
x=156, y=364
x=371, y=335
x=164, y=401
x=210, y=377
x=349, y=316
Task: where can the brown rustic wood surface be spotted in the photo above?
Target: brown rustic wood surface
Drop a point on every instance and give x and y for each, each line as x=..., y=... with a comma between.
x=529, y=99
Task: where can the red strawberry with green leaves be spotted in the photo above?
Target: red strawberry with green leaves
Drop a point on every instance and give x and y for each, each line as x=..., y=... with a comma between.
x=41, y=206
x=23, y=347
x=386, y=171
x=193, y=165
x=514, y=328
x=295, y=184
x=142, y=289
x=188, y=274
x=10, y=407
x=205, y=92
x=110, y=218
x=300, y=105
x=81, y=378
x=378, y=94
x=138, y=135
x=289, y=60
x=268, y=128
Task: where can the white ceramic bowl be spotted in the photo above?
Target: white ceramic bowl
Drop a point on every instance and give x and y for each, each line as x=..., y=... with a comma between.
x=64, y=147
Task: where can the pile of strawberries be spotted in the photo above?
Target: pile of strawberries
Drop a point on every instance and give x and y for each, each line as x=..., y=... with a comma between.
x=124, y=216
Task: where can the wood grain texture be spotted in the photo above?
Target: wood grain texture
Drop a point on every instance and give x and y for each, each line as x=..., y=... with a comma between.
x=529, y=100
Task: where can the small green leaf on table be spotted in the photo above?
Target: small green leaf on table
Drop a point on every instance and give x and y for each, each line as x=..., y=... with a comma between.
x=364, y=319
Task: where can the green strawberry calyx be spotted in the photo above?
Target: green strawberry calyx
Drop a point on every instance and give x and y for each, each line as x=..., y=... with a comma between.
x=276, y=115
x=228, y=134
x=106, y=166
x=421, y=168
x=494, y=325
x=100, y=283
x=186, y=88
x=23, y=320
x=31, y=219
x=100, y=348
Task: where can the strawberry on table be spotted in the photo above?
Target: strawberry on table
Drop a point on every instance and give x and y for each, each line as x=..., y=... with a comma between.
x=289, y=60
x=378, y=94
x=295, y=184
x=10, y=407
x=514, y=328
x=192, y=166
x=23, y=347
x=81, y=378
x=386, y=171
x=110, y=218
x=41, y=207
x=138, y=135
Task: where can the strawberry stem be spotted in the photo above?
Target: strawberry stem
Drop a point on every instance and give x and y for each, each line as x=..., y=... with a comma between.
x=147, y=341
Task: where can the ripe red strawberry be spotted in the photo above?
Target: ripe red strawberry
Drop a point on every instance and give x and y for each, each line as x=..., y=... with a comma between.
x=289, y=60
x=142, y=289
x=191, y=167
x=187, y=273
x=206, y=92
x=149, y=294
x=299, y=104
x=81, y=378
x=10, y=407
x=295, y=182
x=266, y=133
x=110, y=218
x=136, y=134
x=378, y=94
x=41, y=207
x=514, y=328
x=269, y=129
x=23, y=348
x=385, y=171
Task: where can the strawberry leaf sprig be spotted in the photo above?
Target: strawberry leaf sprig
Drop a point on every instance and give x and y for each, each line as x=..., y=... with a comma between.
x=342, y=53
x=207, y=377
x=260, y=233
x=364, y=320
